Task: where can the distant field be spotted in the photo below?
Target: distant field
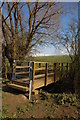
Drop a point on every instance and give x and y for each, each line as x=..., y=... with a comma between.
x=61, y=59
x=52, y=59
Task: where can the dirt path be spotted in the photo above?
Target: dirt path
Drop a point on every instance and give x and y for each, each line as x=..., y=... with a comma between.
x=15, y=104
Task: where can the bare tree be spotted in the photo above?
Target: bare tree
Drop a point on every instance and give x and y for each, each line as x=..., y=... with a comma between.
x=70, y=40
x=27, y=25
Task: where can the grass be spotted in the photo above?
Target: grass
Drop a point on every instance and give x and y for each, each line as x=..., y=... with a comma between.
x=21, y=108
x=60, y=59
x=4, y=112
x=62, y=99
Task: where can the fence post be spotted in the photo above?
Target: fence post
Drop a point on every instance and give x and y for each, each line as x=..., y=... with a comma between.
x=54, y=72
x=39, y=65
x=67, y=70
x=61, y=70
x=14, y=70
x=46, y=74
x=32, y=73
x=29, y=69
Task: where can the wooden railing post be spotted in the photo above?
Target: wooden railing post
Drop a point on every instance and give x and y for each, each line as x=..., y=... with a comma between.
x=61, y=70
x=14, y=70
x=46, y=74
x=39, y=65
x=32, y=73
x=67, y=70
x=54, y=72
x=29, y=69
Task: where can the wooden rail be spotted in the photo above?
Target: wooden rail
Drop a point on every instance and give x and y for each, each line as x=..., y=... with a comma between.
x=38, y=74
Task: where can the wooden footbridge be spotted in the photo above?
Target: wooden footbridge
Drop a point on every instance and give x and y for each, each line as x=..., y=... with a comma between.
x=34, y=75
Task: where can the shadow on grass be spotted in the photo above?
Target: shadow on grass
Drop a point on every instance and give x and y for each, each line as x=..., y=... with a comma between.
x=61, y=86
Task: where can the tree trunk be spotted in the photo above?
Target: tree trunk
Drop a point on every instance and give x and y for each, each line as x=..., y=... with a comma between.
x=77, y=77
x=11, y=68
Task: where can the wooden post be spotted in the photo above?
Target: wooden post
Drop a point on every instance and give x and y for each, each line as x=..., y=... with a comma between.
x=61, y=70
x=32, y=73
x=29, y=68
x=33, y=63
x=46, y=74
x=39, y=65
x=67, y=70
x=54, y=72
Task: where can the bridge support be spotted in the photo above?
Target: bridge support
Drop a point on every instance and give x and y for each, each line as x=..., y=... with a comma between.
x=31, y=78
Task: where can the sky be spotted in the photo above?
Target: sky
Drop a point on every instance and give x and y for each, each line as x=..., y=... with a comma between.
x=65, y=20
x=72, y=8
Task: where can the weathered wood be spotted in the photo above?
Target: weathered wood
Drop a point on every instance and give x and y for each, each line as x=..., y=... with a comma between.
x=42, y=68
x=41, y=62
x=49, y=74
x=46, y=74
x=32, y=73
x=23, y=79
x=14, y=70
x=20, y=73
x=36, y=81
x=39, y=76
x=18, y=67
x=19, y=87
x=22, y=83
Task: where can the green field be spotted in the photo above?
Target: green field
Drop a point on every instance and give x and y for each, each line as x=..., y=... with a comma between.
x=50, y=59
x=53, y=59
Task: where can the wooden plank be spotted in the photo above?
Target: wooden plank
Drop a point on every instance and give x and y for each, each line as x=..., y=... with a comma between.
x=19, y=73
x=40, y=82
x=39, y=76
x=49, y=74
x=42, y=68
x=41, y=62
x=22, y=67
x=19, y=87
x=22, y=83
x=26, y=79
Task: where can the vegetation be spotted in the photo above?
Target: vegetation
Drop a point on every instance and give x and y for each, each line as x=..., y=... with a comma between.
x=61, y=59
x=65, y=98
